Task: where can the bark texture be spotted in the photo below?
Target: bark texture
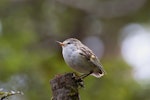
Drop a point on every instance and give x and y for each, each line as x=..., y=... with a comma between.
x=65, y=87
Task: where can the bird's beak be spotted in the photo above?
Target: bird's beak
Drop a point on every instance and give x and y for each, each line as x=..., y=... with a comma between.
x=60, y=43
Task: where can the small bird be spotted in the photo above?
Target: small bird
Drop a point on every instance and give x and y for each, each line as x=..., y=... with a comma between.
x=81, y=58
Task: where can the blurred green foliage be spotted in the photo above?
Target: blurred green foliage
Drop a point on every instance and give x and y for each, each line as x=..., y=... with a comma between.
x=29, y=56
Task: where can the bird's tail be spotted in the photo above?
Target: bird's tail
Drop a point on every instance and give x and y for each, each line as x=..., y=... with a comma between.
x=97, y=74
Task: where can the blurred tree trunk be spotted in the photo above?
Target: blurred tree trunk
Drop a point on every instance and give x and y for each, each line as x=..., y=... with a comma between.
x=65, y=87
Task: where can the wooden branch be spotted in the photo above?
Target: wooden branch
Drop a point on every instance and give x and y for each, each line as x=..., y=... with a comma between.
x=65, y=87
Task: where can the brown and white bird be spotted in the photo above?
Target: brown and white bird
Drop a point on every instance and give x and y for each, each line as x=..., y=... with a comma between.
x=81, y=58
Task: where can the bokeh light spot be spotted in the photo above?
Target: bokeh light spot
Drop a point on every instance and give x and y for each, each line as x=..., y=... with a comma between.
x=135, y=49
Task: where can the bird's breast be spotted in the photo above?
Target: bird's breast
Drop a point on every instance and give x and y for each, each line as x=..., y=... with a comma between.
x=68, y=54
x=76, y=61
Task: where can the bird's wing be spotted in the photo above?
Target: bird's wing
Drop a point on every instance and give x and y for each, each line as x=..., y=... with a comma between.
x=90, y=56
x=86, y=52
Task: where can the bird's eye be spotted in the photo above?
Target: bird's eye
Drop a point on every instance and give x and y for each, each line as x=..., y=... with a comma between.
x=68, y=43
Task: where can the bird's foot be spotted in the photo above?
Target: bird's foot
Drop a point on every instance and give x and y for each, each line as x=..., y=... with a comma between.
x=78, y=80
